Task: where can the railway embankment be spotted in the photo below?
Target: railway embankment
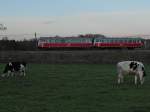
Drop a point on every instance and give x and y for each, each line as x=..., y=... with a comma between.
x=76, y=56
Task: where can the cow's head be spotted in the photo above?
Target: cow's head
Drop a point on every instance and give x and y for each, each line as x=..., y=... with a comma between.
x=141, y=73
x=138, y=69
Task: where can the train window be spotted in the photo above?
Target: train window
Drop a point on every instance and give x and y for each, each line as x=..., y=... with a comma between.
x=57, y=40
x=53, y=41
x=83, y=40
x=97, y=40
x=112, y=41
x=62, y=41
x=115, y=41
x=130, y=41
x=138, y=41
x=133, y=41
x=89, y=40
x=105, y=41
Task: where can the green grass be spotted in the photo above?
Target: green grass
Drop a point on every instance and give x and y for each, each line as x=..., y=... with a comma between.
x=72, y=88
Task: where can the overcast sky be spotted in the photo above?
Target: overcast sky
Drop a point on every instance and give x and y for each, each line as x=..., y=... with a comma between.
x=72, y=17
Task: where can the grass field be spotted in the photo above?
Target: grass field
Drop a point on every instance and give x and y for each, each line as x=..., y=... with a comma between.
x=73, y=88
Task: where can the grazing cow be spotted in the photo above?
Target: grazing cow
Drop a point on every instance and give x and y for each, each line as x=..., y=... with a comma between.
x=13, y=68
x=131, y=68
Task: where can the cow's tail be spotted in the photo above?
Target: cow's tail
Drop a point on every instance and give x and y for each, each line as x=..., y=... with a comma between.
x=144, y=72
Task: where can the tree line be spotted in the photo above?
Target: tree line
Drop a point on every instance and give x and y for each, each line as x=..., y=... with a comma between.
x=6, y=45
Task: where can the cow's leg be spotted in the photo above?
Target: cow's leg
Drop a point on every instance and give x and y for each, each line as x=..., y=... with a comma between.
x=141, y=78
x=9, y=73
x=22, y=70
x=24, y=74
x=21, y=73
x=12, y=74
x=120, y=78
x=135, y=79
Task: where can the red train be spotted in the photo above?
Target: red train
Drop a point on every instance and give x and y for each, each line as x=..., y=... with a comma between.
x=86, y=42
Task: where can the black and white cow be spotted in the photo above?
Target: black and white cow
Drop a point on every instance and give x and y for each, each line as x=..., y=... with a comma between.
x=13, y=68
x=131, y=68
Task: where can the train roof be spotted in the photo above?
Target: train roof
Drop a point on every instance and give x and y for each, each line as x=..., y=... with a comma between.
x=122, y=38
x=64, y=38
x=112, y=38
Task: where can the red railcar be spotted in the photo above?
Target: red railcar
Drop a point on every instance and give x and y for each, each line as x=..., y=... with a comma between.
x=68, y=42
x=83, y=42
x=118, y=42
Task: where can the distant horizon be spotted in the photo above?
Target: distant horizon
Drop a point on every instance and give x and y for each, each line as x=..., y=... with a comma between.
x=32, y=36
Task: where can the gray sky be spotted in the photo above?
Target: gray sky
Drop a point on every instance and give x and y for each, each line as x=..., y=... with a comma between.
x=72, y=17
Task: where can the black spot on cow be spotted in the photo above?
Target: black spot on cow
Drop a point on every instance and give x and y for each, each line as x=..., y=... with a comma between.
x=133, y=65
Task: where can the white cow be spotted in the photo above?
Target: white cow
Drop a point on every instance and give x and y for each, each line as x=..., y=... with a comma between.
x=131, y=68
